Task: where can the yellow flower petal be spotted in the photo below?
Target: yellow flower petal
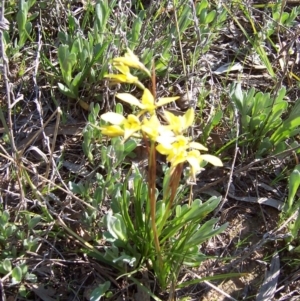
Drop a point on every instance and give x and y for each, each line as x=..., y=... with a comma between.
x=177, y=159
x=194, y=158
x=122, y=78
x=197, y=145
x=122, y=68
x=172, y=145
x=151, y=127
x=127, y=97
x=148, y=101
x=131, y=60
x=128, y=133
x=112, y=130
x=182, y=140
x=166, y=139
x=189, y=117
x=212, y=160
x=114, y=118
x=131, y=125
x=165, y=100
x=164, y=149
x=180, y=123
x=132, y=119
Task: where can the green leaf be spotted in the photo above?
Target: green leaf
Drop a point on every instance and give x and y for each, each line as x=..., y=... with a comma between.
x=201, y=6
x=100, y=291
x=66, y=61
x=295, y=110
x=211, y=278
x=10, y=230
x=237, y=95
x=210, y=17
x=102, y=13
x=98, y=51
x=129, y=146
x=160, y=213
x=119, y=108
x=76, y=83
x=214, y=121
x=248, y=102
x=72, y=23
x=205, y=232
x=63, y=37
x=136, y=30
x=127, y=259
x=76, y=47
x=16, y=275
x=6, y=265
x=116, y=226
x=66, y=91
x=34, y=221
x=288, y=129
x=28, y=28
x=294, y=182
x=4, y=217
x=264, y=147
x=31, y=3
x=23, y=291
x=31, y=277
x=87, y=146
x=32, y=17
x=118, y=147
x=76, y=188
x=193, y=214
x=184, y=19
x=281, y=95
x=21, y=21
x=94, y=113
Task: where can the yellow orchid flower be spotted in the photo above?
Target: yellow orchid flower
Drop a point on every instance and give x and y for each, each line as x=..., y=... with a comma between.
x=194, y=158
x=121, y=126
x=131, y=60
x=122, y=68
x=113, y=118
x=177, y=152
x=131, y=125
x=112, y=130
x=147, y=104
x=177, y=144
x=154, y=129
x=121, y=78
x=180, y=123
x=125, y=77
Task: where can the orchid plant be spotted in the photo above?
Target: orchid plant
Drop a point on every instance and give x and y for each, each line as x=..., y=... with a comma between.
x=170, y=226
x=170, y=138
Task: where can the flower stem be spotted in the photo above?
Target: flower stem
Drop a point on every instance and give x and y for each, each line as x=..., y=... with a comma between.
x=171, y=193
x=152, y=187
